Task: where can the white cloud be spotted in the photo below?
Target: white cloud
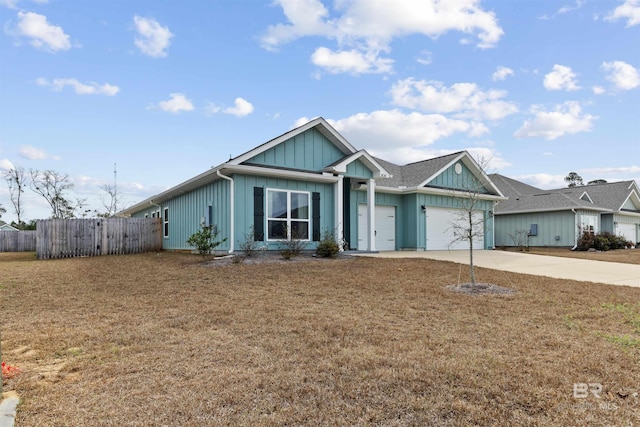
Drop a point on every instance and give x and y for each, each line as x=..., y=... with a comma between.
x=566, y=118
x=622, y=75
x=396, y=136
x=424, y=58
x=502, y=73
x=543, y=180
x=152, y=39
x=629, y=10
x=176, y=104
x=43, y=35
x=241, y=108
x=363, y=29
x=465, y=100
x=566, y=9
x=561, y=78
x=351, y=61
x=616, y=170
x=33, y=153
x=598, y=90
x=80, y=88
x=6, y=165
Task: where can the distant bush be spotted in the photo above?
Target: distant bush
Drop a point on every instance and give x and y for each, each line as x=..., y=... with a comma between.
x=602, y=242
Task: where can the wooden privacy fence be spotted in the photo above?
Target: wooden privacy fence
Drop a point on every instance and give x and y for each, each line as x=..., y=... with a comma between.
x=65, y=238
x=18, y=241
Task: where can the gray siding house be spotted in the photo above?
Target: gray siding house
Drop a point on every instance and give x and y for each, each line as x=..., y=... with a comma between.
x=558, y=217
x=311, y=180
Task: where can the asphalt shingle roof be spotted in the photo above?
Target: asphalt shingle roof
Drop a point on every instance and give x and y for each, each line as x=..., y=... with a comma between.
x=526, y=198
x=413, y=174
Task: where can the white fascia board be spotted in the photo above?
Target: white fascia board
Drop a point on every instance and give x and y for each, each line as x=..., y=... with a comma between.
x=442, y=169
x=364, y=157
x=436, y=191
x=211, y=176
x=193, y=183
x=569, y=209
x=471, y=164
x=633, y=195
x=279, y=173
x=323, y=127
x=588, y=197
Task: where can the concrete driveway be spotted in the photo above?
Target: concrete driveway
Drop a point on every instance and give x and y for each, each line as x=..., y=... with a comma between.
x=612, y=273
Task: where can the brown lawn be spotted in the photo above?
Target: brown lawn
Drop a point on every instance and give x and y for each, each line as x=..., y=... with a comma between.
x=627, y=256
x=162, y=339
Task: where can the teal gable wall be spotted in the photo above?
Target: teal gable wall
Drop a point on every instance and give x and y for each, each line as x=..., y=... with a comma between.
x=450, y=179
x=357, y=169
x=309, y=151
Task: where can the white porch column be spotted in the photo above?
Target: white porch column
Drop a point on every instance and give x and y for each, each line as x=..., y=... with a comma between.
x=339, y=195
x=371, y=214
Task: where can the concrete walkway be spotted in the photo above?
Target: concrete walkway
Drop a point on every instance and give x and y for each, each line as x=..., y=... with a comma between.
x=8, y=403
x=612, y=273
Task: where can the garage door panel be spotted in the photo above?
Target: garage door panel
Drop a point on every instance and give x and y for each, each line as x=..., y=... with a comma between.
x=628, y=230
x=441, y=232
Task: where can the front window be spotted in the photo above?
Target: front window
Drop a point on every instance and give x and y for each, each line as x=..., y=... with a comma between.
x=287, y=215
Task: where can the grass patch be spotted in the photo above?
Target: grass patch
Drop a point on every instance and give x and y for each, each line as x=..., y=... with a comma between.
x=630, y=316
x=157, y=339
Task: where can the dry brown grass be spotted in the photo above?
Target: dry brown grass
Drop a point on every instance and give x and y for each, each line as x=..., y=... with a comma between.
x=626, y=256
x=161, y=339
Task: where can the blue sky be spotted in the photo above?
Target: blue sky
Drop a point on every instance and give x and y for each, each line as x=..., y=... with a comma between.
x=166, y=90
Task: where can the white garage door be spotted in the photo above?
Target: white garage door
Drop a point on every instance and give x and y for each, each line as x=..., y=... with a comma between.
x=385, y=229
x=440, y=232
x=627, y=230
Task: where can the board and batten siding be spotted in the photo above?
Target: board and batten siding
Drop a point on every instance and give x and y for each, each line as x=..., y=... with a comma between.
x=309, y=151
x=244, y=203
x=554, y=228
x=357, y=169
x=187, y=211
x=450, y=179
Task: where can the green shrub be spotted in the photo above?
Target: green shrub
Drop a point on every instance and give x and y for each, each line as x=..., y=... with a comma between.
x=204, y=240
x=328, y=247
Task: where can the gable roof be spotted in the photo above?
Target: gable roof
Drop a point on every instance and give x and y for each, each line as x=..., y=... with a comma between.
x=320, y=124
x=373, y=164
x=609, y=197
x=421, y=174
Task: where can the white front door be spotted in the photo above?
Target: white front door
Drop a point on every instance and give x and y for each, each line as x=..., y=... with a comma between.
x=440, y=230
x=385, y=230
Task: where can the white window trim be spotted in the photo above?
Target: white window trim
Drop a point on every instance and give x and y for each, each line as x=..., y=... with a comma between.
x=288, y=219
x=165, y=224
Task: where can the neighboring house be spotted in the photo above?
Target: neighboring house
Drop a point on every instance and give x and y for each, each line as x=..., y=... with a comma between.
x=311, y=180
x=6, y=227
x=558, y=217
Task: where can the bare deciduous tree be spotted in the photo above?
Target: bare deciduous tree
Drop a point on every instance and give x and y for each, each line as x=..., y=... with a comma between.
x=111, y=201
x=468, y=223
x=53, y=187
x=17, y=181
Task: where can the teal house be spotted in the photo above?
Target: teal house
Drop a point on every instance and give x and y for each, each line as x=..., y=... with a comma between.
x=558, y=217
x=311, y=180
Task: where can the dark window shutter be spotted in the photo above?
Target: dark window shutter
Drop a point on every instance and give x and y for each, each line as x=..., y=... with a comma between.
x=315, y=219
x=258, y=214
